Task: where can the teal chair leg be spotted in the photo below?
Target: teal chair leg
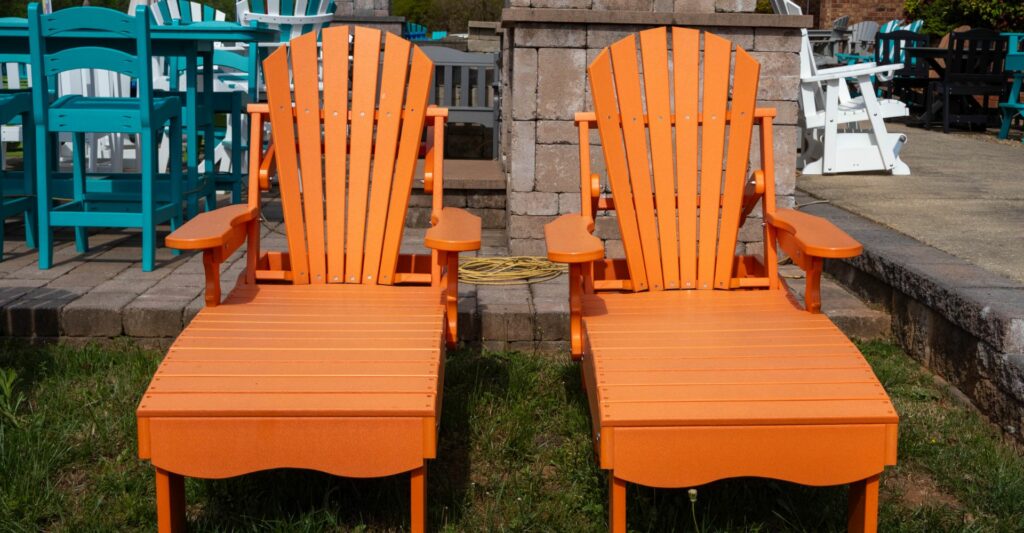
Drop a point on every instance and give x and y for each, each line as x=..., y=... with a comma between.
x=175, y=159
x=1009, y=112
x=78, y=173
x=28, y=143
x=148, y=169
x=44, y=153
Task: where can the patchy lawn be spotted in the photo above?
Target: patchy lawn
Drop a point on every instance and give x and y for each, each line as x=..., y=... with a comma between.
x=515, y=455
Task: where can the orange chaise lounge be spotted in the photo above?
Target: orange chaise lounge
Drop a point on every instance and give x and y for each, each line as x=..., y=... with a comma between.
x=698, y=363
x=329, y=357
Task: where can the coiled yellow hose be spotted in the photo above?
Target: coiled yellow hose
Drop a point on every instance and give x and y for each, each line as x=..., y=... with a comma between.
x=508, y=270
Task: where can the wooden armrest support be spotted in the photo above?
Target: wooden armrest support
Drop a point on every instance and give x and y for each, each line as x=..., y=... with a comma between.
x=569, y=240
x=457, y=230
x=815, y=236
x=218, y=234
x=213, y=229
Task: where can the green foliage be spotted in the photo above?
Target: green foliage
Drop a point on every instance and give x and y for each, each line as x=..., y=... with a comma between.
x=449, y=15
x=941, y=16
x=10, y=400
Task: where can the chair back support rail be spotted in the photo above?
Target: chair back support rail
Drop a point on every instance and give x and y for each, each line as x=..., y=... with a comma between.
x=679, y=225
x=327, y=143
x=468, y=85
x=292, y=19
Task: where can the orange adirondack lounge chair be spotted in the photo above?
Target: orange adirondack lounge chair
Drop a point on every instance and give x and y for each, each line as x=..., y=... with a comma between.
x=328, y=357
x=698, y=364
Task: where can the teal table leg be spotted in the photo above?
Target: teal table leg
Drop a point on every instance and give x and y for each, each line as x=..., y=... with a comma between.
x=28, y=142
x=78, y=182
x=148, y=175
x=44, y=152
x=209, y=138
x=192, y=134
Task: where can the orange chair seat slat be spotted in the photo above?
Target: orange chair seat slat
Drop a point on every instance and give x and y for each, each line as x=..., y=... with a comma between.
x=667, y=372
x=335, y=358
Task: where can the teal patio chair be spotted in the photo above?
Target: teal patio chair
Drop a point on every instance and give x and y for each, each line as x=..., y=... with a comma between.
x=17, y=188
x=1013, y=107
x=99, y=38
x=231, y=83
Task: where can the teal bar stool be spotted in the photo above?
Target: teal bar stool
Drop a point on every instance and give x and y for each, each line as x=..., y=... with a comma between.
x=1013, y=107
x=231, y=85
x=17, y=189
x=100, y=38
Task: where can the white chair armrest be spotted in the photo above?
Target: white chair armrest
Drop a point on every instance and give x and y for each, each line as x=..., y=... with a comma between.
x=863, y=69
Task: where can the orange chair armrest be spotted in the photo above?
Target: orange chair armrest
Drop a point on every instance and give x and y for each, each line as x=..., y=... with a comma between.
x=457, y=230
x=569, y=240
x=213, y=229
x=815, y=236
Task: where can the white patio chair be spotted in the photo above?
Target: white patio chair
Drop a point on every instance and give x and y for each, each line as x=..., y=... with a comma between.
x=842, y=133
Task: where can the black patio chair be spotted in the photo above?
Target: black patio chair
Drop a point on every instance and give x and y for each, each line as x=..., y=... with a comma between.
x=974, y=79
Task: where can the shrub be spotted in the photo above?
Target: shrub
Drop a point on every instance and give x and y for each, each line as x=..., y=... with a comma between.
x=941, y=16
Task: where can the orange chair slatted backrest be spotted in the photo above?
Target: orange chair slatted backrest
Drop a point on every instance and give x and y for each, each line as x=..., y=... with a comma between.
x=678, y=194
x=345, y=166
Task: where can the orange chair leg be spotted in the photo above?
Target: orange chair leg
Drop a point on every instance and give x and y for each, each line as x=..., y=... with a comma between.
x=863, y=513
x=418, y=523
x=170, y=502
x=616, y=504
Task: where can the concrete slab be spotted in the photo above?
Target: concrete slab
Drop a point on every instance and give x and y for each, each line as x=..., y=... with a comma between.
x=964, y=197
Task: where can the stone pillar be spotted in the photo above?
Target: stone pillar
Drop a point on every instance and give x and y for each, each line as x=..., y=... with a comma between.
x=549, y=44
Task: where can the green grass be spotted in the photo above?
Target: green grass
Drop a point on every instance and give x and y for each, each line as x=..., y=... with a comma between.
x=514, y=455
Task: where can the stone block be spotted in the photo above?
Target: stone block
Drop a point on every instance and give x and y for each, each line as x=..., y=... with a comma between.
x=776, y=40
x=420, y=199
x=453, y=198
x=742, y=37
x=775, y=64
x=417, y=217
x=624, y=5
x=526, y=246
x=569, y=202
x=694, y=6
x=545, y=348
x=602, y=35
x=519, y=3
x=533, y=203
x=557, y=132
x=37, y=313
x=492, y=218
x=557, y=168
x=486, y=199
x=527, y=227
x=524, y=84
x=664, y=6
x=606, y=227
x=788, y=111
x=735, y=6
x=550, y=36
x=96, y=314
x=561, y=4
x=614, y=249
x=155, y=315
x=561, y=80
x=523, y=160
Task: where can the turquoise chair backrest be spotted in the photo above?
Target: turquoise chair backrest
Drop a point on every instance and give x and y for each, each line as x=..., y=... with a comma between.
x=167, y=11
x=1015, y=52
x=291, y=18
x=89, y=38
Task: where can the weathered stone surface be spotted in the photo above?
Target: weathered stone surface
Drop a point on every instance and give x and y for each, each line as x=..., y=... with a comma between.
x=486, y=200
x=453, y=199
x=522, y=168
x=602, y=35
x=550, y=36
x=561, y=4
x=534, y=203
x=694, y=6
x=557, y=168
x=774, y=64
x=524, y=85
x=37, y=312
x=624, y=5
x=788, y=111
x=96, y=314
x=778, y=87
x=741, y=37
x=527, y=246
x=776, y=40
x=735, y=6
x=492, y=218
x=569, y=202
x=155, y=315
x=557, y=132
x=560, y=82
x=528, y=226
